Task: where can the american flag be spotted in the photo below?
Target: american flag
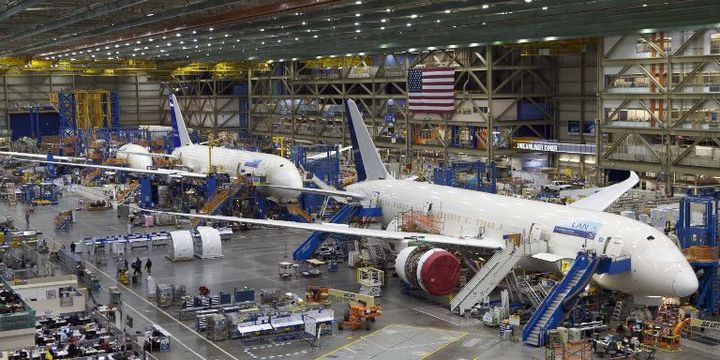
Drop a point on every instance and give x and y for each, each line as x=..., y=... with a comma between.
x=431, y=90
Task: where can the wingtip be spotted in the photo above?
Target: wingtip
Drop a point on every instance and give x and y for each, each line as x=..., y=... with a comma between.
x=634, y=177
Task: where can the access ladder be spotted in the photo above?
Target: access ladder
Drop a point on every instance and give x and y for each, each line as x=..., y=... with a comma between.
x=553, y=310
x=491, y=274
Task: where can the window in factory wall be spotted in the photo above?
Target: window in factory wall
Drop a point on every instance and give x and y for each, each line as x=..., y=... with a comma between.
x=715, y=43
x=643, y=44
x=627, y=81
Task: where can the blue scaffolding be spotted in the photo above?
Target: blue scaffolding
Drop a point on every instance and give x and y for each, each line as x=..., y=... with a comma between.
x=484, y=176
x=68, y=111
x=700, y=244
x=325, y=168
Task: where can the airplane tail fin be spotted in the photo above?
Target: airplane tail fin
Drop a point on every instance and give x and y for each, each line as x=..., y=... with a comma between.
x=368, y=164
x=181, y=137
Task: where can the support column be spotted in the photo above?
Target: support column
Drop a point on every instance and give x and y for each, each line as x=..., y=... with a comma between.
x=667, y=160
x=582, y=111
x=248, y=115
x=490, y=116
x=600, y=113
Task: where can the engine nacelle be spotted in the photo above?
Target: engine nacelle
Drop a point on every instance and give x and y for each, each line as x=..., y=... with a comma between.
x=436, y=270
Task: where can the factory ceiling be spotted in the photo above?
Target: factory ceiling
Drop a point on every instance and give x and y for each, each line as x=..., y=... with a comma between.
x=242, y=30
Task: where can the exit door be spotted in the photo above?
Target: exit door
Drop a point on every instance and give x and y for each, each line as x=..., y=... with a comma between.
x=613, y=247
x=535, y=232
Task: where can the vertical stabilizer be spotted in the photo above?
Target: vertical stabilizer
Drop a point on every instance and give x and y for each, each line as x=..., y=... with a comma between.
x=180, y=132
x=368, y=164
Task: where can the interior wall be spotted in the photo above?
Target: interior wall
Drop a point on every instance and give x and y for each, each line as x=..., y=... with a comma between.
x=577, y=94
x=139, y=97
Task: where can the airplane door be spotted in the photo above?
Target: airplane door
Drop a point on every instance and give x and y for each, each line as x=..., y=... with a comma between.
x=535, y=232
x=613, y=247
x=535, y=237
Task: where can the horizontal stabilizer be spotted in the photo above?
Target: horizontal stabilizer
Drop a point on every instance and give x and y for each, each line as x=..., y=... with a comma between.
x=40, y=156
x=169, y=156
x=330, y=153
x=164, y=172
x=327, y=192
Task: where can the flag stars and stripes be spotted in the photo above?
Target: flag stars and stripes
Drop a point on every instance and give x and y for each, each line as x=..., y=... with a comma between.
x=431, y=90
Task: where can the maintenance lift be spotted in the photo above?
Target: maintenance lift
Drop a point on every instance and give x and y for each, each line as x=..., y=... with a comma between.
x=699, y=243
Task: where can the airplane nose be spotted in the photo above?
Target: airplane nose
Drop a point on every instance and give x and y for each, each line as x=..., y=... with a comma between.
x=285, y=175
x=685, y=283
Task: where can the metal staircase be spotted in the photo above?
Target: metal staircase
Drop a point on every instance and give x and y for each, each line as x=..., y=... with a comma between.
x=298, y=213
x=91, y=176
x=129, y=189
x=535, y=296
x=553, y=310
x=219, y=199
x=376, y=251
x=491, y=274
x=213, y=205
x=308, y=247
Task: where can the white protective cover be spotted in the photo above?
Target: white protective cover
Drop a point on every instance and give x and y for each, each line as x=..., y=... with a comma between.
x=209, y=245
x=400, y=261
x=181, y=247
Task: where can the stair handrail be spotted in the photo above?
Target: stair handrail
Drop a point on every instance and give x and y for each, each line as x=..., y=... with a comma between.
x=560, y=286
x=481, y=274
x=594, y=262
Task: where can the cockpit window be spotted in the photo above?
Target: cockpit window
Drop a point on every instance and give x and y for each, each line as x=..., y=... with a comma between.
x=651, y=238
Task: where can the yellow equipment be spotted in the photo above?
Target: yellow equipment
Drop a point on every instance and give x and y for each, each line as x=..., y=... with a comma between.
x=123, y=278
x=664, y=337
x=352, y=298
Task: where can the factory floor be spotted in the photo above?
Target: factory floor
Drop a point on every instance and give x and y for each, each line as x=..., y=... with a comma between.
x=412, y=328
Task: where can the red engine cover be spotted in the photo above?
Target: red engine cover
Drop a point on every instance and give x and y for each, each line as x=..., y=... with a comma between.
x=440, y=273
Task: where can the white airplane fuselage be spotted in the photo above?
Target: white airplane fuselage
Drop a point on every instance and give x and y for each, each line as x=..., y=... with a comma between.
x=275, y=169
x=131, y=153
x=658, y=268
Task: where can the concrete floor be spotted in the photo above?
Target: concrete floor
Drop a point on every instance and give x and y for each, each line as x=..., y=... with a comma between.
x=411, y=328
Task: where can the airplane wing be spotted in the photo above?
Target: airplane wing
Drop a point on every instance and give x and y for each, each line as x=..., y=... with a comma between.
x=165, y=172
x=600, y=200
x=40, y=156
x=347, y=230
x=170, y=156
x=328, y=192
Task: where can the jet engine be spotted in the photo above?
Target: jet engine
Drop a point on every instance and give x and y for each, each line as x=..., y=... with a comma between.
x=435, y=270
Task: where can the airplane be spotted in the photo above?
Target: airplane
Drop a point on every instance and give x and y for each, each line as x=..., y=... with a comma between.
x=283, y=181
x=477, y=220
